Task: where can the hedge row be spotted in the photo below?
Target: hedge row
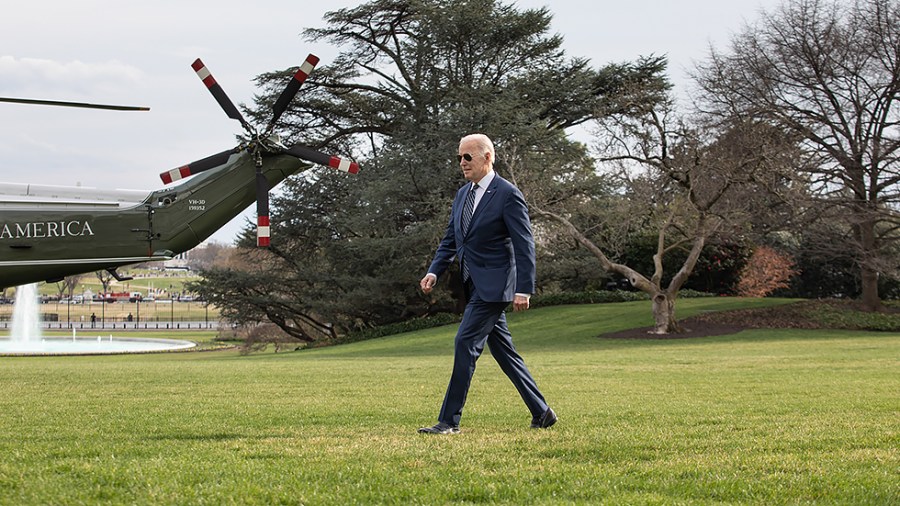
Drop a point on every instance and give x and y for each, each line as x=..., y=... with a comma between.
x=414, y=324
x=543, y=300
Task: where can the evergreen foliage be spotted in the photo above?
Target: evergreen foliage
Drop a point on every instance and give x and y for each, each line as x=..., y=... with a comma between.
x=414, y=76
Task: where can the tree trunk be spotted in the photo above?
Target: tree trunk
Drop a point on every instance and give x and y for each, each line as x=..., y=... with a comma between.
x=664, y=314
x=868, y=276
x=869, y=296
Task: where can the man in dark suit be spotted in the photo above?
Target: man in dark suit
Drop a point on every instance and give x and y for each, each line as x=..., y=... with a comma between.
x=490, y=234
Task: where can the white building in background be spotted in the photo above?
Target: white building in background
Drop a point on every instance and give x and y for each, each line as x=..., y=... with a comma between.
x=182, y=260
x=179, y=262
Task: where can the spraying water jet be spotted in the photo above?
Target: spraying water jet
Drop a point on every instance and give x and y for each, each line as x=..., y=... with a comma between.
x=26, y=337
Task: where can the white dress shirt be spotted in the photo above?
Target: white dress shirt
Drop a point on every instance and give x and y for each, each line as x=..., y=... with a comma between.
x=482, y=187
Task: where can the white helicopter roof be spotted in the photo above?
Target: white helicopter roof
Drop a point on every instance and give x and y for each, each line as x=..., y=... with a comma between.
x=21, y=195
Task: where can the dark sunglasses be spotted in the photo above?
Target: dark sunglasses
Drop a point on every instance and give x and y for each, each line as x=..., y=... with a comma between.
x=467, y=156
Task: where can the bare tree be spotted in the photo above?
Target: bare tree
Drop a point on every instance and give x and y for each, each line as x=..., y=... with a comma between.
x=213, y=253
x=105, y=278
x=68, y=284
x=687, y=182
x=829, y=72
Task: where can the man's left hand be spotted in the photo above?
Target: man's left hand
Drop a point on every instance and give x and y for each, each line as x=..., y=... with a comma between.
x=520, y=303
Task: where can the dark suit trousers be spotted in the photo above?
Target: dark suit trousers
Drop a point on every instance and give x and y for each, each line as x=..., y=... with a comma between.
x=486, y=322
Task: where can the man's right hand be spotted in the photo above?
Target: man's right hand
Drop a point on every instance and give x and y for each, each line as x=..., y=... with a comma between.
x=427, y=283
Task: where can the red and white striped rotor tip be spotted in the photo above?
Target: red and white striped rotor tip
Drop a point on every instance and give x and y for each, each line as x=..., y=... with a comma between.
x=203, y=73
x=306, y=69
x=173, y=175
x=344, y=165
x=262, y=231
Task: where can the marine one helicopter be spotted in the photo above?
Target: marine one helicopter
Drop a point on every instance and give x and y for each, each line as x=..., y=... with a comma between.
x=50, y=232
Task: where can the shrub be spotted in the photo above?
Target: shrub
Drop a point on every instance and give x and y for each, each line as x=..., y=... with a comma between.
x=766, y=271
x=586, y=297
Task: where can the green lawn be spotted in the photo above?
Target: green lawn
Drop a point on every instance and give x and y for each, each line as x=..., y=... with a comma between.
x=761, y=417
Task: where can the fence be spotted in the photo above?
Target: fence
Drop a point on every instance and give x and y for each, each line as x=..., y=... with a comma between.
x=125, y=325
x=168, y=315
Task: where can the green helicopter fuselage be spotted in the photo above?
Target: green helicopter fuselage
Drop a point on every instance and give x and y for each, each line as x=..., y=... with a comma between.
x=50, y=232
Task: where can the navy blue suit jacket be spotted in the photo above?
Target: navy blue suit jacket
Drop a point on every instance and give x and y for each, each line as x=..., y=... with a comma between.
x=499, y=246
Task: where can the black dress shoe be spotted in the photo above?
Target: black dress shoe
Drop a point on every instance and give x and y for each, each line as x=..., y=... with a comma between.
x=544, y=421
x=440, y=428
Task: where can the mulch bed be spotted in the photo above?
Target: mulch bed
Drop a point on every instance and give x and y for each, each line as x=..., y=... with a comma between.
x=692, y=329
x=723, y=323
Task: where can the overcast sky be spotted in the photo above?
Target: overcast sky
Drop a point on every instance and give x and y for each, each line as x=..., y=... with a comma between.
x=139, y=53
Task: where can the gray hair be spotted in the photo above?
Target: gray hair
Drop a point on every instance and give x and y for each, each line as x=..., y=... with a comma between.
x=483, y=141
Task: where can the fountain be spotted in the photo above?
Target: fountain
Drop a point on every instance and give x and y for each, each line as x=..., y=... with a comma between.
x=26, y=327
x=26, y=338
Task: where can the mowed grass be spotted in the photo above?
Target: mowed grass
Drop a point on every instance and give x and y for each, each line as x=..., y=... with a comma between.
x=760, y=417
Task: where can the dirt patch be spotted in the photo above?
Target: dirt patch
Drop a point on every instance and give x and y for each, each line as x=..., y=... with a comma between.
x=690, y=330
x=789, y=316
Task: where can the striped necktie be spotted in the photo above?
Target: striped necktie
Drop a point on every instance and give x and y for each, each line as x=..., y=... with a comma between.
x=468, y=209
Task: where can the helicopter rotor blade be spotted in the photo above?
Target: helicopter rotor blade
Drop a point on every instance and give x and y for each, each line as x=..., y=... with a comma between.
x=290, y=91
x=196, y=167
x=311, y=155
x=83, y=105
x=262, y=210
x=219, y=94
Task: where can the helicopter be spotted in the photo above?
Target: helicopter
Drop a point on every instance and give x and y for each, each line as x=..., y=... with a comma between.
x=50, y=232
